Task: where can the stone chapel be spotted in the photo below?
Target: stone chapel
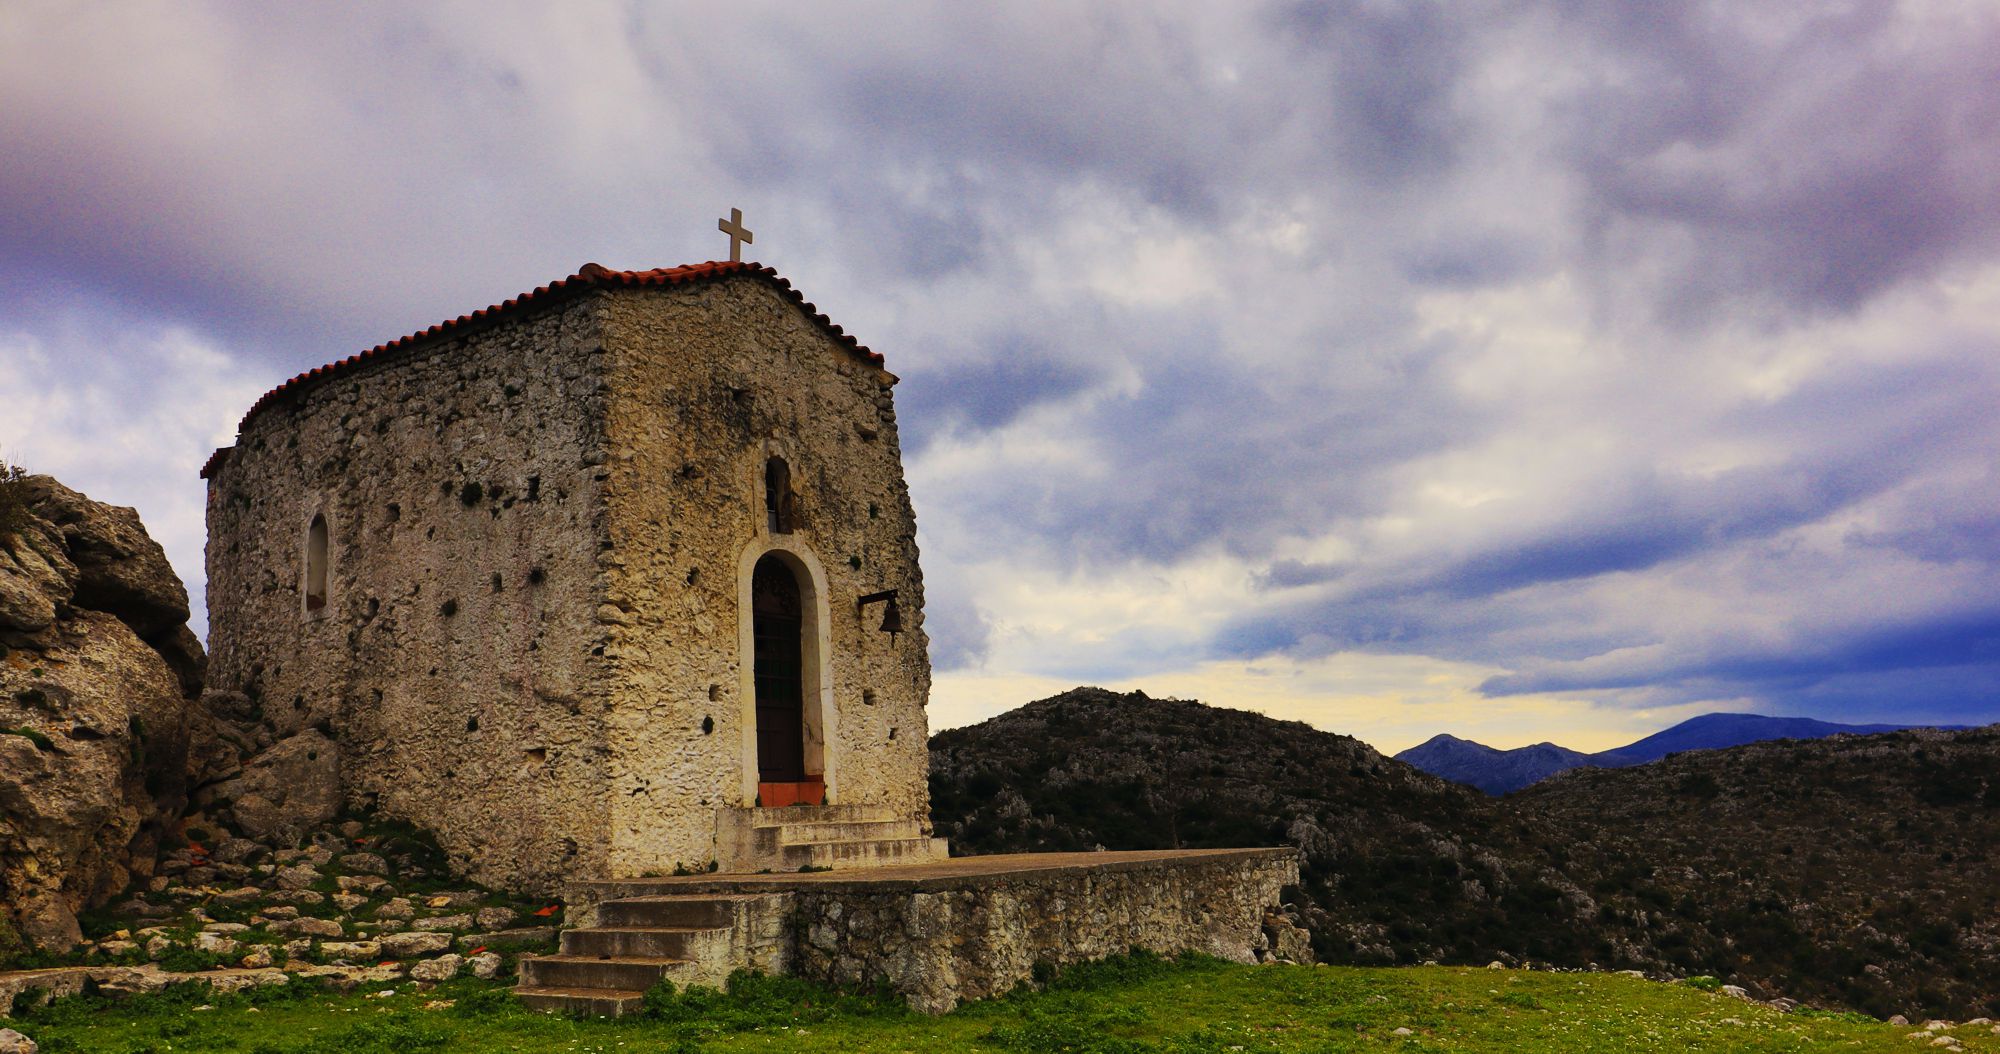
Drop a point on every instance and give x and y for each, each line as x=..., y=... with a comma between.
x=582, y=580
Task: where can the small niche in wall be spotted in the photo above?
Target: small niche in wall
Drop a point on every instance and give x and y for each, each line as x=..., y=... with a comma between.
x=448, y=608
x=780, y=503
x=867, y=697
x=536, y=576
x=714, y=692
x=472, y=723
x=316, y=555
x=535, y=755
x=707, y=725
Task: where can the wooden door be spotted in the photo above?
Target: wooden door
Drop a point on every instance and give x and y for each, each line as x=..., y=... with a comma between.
x=777, y=626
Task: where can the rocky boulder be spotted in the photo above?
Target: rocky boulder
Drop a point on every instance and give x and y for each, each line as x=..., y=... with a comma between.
x=101, y=731
x=284, y=791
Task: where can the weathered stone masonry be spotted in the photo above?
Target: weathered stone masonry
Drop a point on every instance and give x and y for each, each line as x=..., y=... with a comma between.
x=976, y=927
x=540, y=525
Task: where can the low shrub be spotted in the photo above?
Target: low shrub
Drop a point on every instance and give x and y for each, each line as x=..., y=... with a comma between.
x=13, y=498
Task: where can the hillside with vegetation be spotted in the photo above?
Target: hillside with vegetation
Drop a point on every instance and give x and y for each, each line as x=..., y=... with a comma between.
x=1852, y=872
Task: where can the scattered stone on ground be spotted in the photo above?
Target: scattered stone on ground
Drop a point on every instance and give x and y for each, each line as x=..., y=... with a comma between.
x=442, y=968
x=243, y=926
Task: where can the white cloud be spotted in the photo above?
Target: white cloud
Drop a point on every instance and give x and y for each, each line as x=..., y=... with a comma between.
x=128, y=417
x=1402, y=349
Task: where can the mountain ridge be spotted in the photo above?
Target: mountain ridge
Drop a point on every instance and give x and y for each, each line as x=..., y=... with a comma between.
x=1497, y=771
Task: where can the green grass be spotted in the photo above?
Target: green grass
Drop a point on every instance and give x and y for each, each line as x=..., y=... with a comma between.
x=1120, y=1007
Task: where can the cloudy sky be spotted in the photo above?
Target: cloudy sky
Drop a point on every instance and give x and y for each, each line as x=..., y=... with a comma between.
x=1550, y=369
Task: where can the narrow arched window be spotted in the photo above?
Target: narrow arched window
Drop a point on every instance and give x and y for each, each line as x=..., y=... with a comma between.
x=316, y=564
x=780, y=507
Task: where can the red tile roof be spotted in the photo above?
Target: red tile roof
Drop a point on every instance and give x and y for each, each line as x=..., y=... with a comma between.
x=588, y=277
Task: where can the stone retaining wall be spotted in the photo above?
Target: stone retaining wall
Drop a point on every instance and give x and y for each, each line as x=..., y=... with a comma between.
x=977, y=926
x=942, y=948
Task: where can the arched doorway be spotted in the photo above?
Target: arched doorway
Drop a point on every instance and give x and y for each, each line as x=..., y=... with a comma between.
x=778, y=631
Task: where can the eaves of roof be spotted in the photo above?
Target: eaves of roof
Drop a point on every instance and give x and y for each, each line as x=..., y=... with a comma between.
x=588, y=277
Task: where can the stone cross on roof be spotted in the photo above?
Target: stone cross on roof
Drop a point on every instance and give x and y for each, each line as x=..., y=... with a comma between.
x=739, y=235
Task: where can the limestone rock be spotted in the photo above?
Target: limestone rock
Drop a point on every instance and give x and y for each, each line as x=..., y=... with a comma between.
x=120, y=569
x=297, y=876
x=308, y=926
x=12, y=1042
x=484, y=965
x=215, y=944
x=442, y=968
x=258, y=958
x=225, y=982
x=367, y=951
x=494, y=918
x=444, y=922
x=409, y=945
x=286, y=790
x=238, y=897
x=95, y=660
x=1289, y=942
x=36, y=578
x=365, y=863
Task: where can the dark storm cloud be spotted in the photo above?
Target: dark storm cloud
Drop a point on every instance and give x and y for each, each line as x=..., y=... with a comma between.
x=1203, y=452
x=1818, y=166
x=1388, y=78
x=986, y=394
x=1564, y=337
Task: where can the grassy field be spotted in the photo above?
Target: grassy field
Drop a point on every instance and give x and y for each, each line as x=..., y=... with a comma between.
x=1123, y=1005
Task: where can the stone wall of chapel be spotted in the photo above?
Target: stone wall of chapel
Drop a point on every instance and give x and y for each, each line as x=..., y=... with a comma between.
x=708, y=382
x=453, y=661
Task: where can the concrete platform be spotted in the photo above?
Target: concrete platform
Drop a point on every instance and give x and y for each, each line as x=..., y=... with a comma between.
x=957, y=872
x=939, y=932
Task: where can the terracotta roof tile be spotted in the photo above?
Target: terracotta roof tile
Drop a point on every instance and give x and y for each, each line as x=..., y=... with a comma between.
x=589, y=276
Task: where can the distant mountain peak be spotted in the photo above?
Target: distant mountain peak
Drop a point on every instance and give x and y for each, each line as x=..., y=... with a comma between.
x=1498, y=771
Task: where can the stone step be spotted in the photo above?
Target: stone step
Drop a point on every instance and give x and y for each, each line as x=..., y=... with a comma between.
x=871, y=853
x=592, y=972
x=697, y=945
x=792, y=814
x=670, y=912
x=593, y=1002
x=847, y=831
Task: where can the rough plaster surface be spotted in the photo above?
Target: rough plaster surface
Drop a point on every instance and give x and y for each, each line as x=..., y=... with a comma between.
x=540, y=536
x=713, y=381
